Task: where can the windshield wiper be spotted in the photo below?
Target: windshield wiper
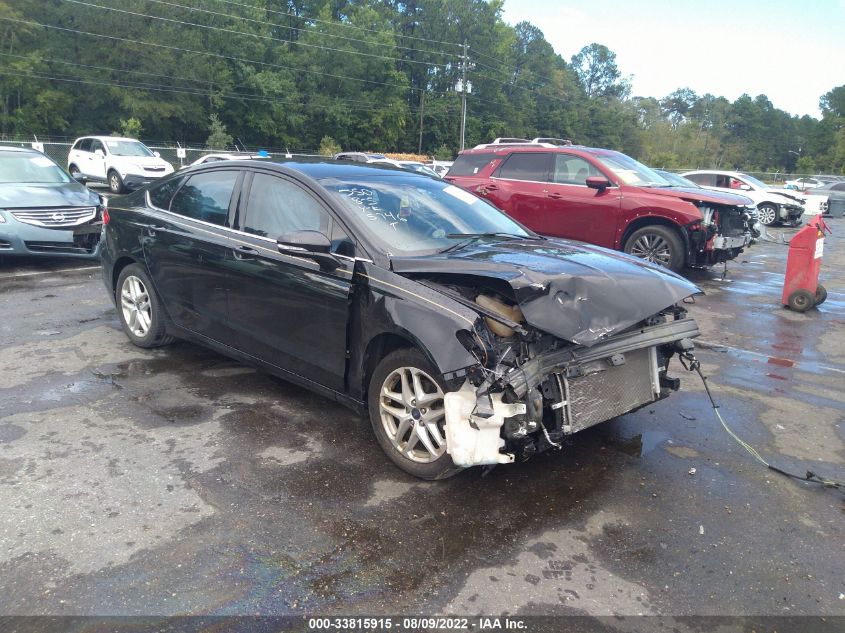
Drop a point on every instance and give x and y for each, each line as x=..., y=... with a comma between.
x=472, y=237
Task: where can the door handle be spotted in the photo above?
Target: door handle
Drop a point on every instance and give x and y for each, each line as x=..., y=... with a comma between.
x=242, y=253
x=555, y=196
x=151, y=230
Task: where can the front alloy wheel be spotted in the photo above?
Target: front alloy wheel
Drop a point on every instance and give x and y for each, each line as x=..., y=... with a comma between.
x=412, y=414
x=405, y=398
x=657, y=244
x=767, y=214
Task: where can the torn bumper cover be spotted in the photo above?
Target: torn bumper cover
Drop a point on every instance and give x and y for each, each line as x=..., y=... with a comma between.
x=519, y=411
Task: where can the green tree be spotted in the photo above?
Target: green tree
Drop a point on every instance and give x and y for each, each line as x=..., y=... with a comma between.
x=328, y=146
x=218, y=137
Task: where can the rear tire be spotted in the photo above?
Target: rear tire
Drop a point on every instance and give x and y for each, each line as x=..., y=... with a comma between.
x=657, y=244
x=74, y=172
x=139, y=308
x=115, y=182
x=821, y=295
x=409, y=422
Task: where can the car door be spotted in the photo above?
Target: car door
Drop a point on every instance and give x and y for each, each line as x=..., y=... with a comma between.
x=97, y=160
x=187, y=241
x=289, y=311
x=574, y=210
x=82, y=157
x=518, y=187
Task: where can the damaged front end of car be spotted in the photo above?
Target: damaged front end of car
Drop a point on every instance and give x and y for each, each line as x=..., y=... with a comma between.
x=552, y=360
x=722, y=233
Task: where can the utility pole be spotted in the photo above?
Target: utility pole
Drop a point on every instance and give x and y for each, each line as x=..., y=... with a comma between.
x=422, y=109
x=464, y=96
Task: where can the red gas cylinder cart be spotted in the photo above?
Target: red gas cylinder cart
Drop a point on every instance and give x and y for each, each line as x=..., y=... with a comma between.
x=801, y=287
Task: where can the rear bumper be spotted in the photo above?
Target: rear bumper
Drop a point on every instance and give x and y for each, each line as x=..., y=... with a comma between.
x=135, y=181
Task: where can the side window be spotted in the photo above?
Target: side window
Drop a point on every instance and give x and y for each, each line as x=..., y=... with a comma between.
x=705, y=180
x=470, y=164
x=85, y=145
x=572, y=170
x=839, y=187
x=206, y=197
x=97, y=145
x=341, y=243
x=277, y=206
x=526, y=166
x=161, y=194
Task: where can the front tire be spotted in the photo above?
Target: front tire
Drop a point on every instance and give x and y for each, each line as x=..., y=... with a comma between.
x=767, y=214
x=657, y=244
x=139, y=308
x=405, y=400
x=115, y=182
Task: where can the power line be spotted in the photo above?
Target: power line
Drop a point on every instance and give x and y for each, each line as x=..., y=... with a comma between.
x=295, y=28
x=256, y=35
x=148, y=74
x=208, y=53
x=196, y=93
x=349, y=26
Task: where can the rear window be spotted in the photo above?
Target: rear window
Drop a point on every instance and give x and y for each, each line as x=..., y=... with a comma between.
x=470, y=164
x=526, y=166
x=705, y=180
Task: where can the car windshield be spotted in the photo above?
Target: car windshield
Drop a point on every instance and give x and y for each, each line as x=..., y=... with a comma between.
x=678, y=181
x=414, y=215
x=128, y=148
x=630, y=171
x=30, y=168
x=751, y=180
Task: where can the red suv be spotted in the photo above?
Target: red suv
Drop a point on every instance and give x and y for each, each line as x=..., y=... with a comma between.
x=606, y=198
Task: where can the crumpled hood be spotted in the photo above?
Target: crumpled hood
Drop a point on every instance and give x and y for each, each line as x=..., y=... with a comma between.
x=575, y=291
x=703, y=195
x=69, y=194
x=792, y=197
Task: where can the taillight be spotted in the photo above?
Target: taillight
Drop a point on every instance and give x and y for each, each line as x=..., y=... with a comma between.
x=106, y=217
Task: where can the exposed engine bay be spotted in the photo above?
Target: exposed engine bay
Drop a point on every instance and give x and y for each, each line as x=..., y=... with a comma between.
x=722, y=234
x=531, y=389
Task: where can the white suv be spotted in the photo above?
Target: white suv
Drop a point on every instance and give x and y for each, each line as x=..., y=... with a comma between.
x=773, y=206
x=123, y=163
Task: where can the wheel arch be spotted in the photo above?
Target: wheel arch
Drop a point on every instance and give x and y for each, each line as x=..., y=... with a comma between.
x=648, y=220
x=380, y=346
x=119, y=265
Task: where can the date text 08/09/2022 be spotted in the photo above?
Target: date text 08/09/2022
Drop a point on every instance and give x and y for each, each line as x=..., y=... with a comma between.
x=417, y=623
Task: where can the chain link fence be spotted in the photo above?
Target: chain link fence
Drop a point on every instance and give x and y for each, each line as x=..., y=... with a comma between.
x=59, y=150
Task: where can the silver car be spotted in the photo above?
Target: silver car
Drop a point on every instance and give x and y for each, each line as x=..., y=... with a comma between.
x=43, y=211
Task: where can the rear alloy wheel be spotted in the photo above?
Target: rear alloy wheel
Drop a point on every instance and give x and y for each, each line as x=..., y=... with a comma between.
x=767, y=214
x=139, y=309
x=115, y=182
x=74, y=172
x=657, y=244
x=408, y=415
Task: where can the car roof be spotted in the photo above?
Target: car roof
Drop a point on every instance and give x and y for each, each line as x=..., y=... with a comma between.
x=12, y=148
x=537, y=147
x=111, y=138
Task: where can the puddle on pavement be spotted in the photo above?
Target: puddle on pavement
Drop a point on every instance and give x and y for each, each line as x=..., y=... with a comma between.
x=642, y=444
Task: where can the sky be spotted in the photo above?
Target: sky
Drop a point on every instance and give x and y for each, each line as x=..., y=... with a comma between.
x=792, y=51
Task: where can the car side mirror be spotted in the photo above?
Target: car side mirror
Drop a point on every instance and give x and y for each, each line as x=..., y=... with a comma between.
x=310, y=245
x=100, y=153
x=156, y=154
x=598, y=182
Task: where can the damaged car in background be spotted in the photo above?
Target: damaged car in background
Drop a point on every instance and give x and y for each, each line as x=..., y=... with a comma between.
x=43, y=211
x=467, y=338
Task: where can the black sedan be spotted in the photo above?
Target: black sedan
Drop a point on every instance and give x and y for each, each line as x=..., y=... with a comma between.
x=43, y=211
x=467, y=338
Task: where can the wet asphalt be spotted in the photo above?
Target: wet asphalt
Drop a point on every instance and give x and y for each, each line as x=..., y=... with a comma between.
x=176, y=481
